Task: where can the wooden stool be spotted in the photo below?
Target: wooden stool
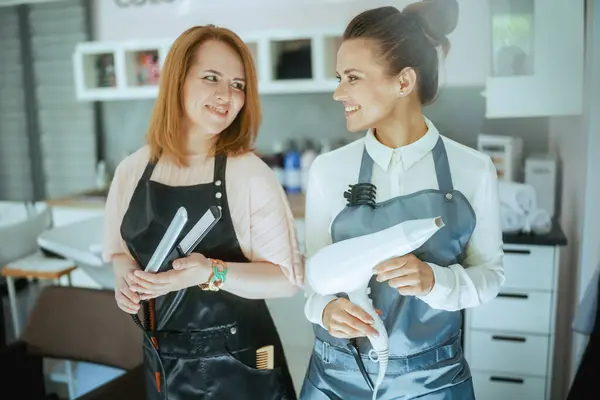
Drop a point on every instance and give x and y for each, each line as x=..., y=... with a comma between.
x=33, y=266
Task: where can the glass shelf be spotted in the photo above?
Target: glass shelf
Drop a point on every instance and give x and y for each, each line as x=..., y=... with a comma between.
x=512, y=37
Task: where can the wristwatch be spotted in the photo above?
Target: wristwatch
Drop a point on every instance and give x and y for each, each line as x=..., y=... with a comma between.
x=217, y=278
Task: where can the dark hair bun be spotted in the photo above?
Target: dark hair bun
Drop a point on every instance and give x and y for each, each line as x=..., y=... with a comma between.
x=437, y=17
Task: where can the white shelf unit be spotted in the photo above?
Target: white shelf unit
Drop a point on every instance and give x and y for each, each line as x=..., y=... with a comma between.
x=510, y=341
x=266, y=48
x=122, y=54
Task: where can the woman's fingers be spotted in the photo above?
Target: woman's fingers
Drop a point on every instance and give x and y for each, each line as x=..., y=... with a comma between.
x=125, y=303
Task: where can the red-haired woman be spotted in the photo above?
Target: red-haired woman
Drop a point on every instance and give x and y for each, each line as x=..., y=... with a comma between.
x=198, y=155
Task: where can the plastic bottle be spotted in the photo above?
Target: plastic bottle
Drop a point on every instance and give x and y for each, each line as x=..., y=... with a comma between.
x=101, y=175
x=291, y=165
x=276, y=163
x=325, y=146
x=308, y=156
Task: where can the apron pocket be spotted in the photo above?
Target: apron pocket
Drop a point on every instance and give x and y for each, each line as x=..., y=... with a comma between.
x=229, y=378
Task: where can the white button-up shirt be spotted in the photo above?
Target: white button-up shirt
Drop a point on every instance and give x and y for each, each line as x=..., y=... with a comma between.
x=402, y=171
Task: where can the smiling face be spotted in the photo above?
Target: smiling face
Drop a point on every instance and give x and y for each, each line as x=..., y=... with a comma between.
x=213, y=92
x=369, y=94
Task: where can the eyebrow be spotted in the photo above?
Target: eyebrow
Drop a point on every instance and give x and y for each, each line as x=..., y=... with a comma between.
x=212, y=71
x=351, y=70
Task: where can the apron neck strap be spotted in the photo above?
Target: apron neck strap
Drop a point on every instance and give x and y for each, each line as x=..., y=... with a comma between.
x=366, y=167
x=220, y=164
x=440, y=159
x=148, y=171
x=442, y=167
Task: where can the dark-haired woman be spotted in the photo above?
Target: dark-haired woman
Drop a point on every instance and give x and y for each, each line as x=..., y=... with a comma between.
x=388, y=70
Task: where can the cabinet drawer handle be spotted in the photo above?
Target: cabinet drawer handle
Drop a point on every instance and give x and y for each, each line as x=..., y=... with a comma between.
x=513, y=295
x=509, y=338
x=516, y=251
x=508, y=380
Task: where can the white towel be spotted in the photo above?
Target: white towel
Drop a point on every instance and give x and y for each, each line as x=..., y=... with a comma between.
x=511, y=220
x=520, y=197
x=538, y=221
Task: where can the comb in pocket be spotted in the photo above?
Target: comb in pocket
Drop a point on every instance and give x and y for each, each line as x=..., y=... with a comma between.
x=264, y=357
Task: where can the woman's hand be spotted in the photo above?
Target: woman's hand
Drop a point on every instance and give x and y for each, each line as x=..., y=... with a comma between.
x=344, y=319
x=188, y=271
x=127, y=300
x=409, y=275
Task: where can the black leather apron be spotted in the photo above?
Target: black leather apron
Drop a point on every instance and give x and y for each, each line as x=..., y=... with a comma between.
x=207, y=341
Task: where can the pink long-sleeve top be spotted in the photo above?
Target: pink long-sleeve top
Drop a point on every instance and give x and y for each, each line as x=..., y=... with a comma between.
x=259, y=208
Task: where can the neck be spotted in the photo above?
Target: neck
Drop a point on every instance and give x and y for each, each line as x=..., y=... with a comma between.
x=402, y=128
x=199, y=142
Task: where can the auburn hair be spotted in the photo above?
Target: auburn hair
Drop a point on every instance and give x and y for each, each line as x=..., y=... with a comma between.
x=165, y=133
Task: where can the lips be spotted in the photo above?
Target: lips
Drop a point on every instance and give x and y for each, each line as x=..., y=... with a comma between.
x=351, y=109
x=218, y=110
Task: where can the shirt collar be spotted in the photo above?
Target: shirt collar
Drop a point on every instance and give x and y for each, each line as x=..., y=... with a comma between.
x=409, y=154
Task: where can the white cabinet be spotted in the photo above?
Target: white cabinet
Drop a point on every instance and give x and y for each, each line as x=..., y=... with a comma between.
x=537, y=50
x=509, y=341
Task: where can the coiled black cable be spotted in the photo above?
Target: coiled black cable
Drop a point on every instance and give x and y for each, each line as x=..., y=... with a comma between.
x=138, y=322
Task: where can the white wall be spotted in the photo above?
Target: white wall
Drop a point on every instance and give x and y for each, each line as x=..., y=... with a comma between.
x=470, y=40
x=568, y=138
x=590, y=241
x=577, y=141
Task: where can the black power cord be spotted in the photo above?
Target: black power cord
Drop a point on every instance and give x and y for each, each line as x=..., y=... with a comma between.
x=138, y=322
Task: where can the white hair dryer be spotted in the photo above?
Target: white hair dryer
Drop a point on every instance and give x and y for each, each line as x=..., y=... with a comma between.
x=347, y=267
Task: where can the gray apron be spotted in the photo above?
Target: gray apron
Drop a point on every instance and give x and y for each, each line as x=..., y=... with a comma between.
x=426, y=358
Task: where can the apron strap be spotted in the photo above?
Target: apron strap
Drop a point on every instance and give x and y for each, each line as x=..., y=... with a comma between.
x=442, y=167
x=148, y=171
x=366, y=167
x=219, y=172
x=219, y=180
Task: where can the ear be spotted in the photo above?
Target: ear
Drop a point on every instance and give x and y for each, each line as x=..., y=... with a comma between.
x=407, y=82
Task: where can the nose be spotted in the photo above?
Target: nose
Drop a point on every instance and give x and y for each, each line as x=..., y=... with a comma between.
x=223, y=92
x=339, y=94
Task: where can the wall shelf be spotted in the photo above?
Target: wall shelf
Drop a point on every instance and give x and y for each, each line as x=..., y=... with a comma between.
x=286, y=62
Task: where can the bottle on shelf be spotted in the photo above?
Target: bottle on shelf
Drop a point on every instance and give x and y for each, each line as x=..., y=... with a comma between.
x=105, y=69
x=291, y=162
x=308, y=156
x=101, y=175
x=148, y=68
x=325, y=146
x=276, y=162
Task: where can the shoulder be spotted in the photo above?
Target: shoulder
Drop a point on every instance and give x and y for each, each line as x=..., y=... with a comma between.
x=340, y=159
x=249, y=171
x=134, y=163
x=467, y=159
x=248, y=165
x=131, y=168
x=473, y=172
